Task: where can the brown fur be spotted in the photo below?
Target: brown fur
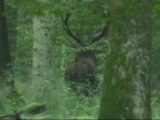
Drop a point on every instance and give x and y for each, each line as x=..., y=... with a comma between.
x=83, y=70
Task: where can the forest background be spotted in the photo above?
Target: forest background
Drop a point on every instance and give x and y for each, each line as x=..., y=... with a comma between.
x=35, y=51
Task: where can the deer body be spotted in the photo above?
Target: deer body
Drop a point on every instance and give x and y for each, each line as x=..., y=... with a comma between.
x=84, y=68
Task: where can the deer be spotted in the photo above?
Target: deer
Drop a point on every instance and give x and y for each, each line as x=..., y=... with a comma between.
x=84, y=68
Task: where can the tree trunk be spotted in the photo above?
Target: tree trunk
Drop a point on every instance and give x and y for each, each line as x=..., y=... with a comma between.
x=6, y=73
x=12, y=30
x=42, y=60
x=4, y=43
x=126, y=86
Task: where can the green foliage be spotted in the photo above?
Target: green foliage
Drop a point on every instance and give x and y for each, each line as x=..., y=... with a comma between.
x=81, y=107
x=155, y=105
x=9, y=101
x=156, y=9
x=156, y=44
x=33, y=7
x=87, y=19
x=10, y=105
x=23, y=55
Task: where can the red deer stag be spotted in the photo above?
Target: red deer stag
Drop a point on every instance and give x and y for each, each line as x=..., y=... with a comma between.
x=83, y=69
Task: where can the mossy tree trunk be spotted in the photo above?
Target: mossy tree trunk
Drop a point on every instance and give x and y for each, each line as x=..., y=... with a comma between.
x=126, y=86
x=12, y=31
x=43, y=75
x=41, y=55
x=6, y=73
x=4, y=43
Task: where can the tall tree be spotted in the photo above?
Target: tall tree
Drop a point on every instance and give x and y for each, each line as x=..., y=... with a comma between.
x=5, y=56
x=12, y=29
x=42, y=53
x=126, y=86
x=4, y=43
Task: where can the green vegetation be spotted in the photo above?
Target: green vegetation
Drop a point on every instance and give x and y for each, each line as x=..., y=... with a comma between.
x=87, y=19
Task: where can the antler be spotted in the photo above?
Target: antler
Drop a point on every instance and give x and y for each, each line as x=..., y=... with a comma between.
x=99, y=36
x=68, y=30
x=103, y=32
x=78, y=40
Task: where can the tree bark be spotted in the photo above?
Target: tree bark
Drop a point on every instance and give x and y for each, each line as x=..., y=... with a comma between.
x=12, y=31
x=4, y=42
x=6, y=73
x=126, y=86
x=42, y=56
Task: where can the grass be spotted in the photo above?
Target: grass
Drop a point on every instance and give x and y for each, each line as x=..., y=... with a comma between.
x=62, y=104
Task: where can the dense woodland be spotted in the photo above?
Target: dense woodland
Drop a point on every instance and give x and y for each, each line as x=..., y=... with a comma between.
x=79, y=59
